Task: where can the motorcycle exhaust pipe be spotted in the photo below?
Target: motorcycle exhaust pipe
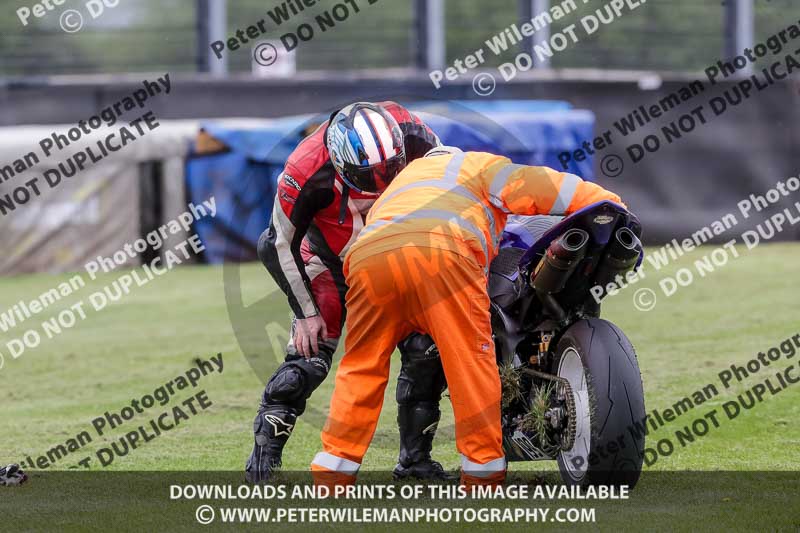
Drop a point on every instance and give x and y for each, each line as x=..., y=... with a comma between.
x=623, y=252
x=559, y=262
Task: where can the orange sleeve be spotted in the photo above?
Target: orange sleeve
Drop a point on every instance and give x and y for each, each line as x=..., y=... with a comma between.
x=527, y=190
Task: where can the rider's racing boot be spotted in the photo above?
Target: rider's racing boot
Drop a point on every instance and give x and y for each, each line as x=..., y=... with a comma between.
x=271, y=428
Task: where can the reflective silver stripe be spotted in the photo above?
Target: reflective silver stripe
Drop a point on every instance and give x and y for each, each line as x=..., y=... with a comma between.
x=499, y=182
x=565, y=194
x=455, y=189
x=437, y=214
x=451, y=171
x=336, y=464
x=449, y=183
x=375, y=225
x=450, y=178
x=482, y=470
x=466, y=193
x=437, y=183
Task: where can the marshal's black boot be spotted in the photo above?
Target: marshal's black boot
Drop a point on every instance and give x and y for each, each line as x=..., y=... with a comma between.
x=417, y=423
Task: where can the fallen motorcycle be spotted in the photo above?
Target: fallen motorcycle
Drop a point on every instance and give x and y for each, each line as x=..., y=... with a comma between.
x=572, y=389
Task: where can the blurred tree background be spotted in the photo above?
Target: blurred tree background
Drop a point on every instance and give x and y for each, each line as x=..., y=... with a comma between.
x=161, y=35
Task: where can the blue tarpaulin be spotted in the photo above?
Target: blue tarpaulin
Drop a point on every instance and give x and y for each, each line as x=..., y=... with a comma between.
x=242, y=179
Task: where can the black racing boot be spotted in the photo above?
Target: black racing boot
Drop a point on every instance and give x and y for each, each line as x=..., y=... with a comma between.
x=418, y=424
x=272, y=428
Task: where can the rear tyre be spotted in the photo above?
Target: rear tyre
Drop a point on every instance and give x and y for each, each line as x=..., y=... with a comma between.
x=600, y=364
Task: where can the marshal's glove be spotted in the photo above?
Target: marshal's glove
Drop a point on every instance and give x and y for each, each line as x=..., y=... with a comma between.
x=11, y=475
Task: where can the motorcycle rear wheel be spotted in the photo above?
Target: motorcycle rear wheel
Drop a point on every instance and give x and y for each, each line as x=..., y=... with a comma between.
x=600, y=364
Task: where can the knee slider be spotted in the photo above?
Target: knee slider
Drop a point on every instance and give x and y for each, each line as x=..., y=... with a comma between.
x=296, y=380
x=288, y=384
x=417, y=347
x=421, y=376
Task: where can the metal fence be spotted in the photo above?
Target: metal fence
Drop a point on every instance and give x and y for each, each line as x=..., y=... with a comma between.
x=174, y=35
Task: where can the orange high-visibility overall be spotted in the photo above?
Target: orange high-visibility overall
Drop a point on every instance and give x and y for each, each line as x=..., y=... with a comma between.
x=421, y=265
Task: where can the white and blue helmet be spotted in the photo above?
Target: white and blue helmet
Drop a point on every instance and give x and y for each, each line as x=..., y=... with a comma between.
x=366, y=147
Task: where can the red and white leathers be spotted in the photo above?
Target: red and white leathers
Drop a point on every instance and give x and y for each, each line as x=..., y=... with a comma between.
x=316, y=218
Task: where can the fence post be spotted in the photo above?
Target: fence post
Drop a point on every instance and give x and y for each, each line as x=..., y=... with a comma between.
x=527, y=9
x=211, y=19
x=430, y=33
x=738, y=30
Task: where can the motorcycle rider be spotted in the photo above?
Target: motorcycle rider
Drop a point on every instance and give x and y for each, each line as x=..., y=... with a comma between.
x=327, y=187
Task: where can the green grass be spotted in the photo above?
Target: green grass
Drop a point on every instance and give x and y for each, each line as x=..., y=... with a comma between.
x=154, y=334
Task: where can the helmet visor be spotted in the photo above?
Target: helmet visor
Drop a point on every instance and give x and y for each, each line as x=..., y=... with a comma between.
x=374, y=178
